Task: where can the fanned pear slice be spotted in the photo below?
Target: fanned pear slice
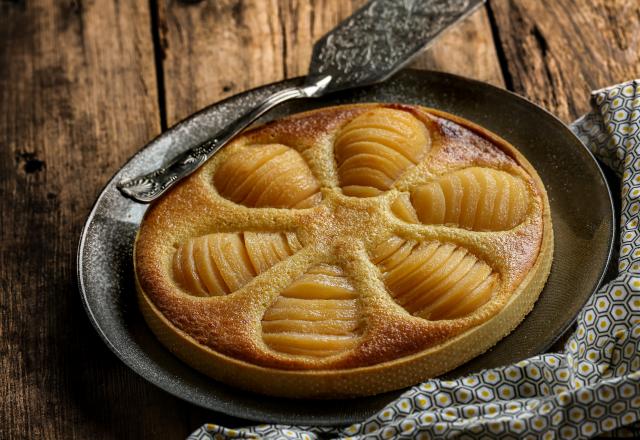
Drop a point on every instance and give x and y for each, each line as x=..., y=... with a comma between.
x=315, y=316
x=434, y=280
x=481, y=199
x=221, y=263
x=272, y=175
x=403, y=209
x=375, y=148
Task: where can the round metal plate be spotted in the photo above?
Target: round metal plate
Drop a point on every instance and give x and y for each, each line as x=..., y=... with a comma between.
x=581, y=206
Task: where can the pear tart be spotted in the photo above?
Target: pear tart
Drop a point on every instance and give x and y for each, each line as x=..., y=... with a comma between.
x=345, y=251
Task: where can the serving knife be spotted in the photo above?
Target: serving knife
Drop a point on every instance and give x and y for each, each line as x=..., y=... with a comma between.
x=366, y=48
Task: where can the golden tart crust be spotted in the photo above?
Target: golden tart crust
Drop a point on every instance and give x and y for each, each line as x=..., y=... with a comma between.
x=345, y=251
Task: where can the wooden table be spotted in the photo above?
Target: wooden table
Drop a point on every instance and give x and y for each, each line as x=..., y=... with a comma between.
x=84, y=84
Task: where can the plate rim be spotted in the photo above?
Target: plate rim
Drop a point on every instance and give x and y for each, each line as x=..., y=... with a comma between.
x=260, y=415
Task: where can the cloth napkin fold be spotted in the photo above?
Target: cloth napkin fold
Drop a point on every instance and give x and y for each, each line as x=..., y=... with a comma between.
x=592, y=387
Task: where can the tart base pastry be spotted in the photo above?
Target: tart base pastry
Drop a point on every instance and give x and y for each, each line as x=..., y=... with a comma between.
x=346, y=251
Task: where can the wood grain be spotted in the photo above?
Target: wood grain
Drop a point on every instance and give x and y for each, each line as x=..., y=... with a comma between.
x=558, y=51
x=468, y=49
x=213, y=50
x=77, y=97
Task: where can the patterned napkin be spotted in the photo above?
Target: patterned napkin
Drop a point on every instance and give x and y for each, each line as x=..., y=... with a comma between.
x=591, y=388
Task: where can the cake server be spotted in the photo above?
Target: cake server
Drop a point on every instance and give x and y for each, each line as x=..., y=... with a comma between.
x=366, y=48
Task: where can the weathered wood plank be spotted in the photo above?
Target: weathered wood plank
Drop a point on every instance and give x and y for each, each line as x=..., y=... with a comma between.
x=558, y=51
x=468, y=49
x=216, y=49
x=77, y=97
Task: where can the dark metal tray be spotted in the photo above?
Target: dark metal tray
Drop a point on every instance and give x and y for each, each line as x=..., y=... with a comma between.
x=581, y=207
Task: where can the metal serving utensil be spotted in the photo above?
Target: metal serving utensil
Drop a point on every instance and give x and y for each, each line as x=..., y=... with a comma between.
x=366, y=48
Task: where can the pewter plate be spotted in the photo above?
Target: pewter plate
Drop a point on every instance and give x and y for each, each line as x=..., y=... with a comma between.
x=581, y=207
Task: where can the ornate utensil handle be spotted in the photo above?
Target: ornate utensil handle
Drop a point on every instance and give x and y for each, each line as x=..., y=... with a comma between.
x=146, y=188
